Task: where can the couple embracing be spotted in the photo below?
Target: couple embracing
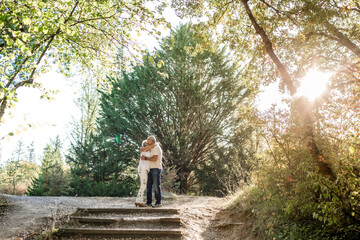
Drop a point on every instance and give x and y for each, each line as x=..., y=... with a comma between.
x=149, y=169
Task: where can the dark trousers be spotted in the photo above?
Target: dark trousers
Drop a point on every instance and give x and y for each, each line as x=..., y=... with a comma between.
x=154, y=181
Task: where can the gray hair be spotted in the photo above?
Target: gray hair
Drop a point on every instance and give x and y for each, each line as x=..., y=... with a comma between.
x=153, y=138
x=143, y=143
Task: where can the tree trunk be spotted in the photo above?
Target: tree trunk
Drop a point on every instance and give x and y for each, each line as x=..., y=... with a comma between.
x=304, y=109
x=301, y=106
x=342, y=39
x=46, y=181
x=3, y=106
x=14, y=186
x=182, y=179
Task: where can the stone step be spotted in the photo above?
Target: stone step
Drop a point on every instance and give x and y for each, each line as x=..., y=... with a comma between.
x=129, y=210
x=109, y=220
x=119, y=232
x=125, y=215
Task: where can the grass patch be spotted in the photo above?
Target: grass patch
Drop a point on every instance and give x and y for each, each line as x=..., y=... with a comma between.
x=236, y=220
x=243, y=199
x=275, y=216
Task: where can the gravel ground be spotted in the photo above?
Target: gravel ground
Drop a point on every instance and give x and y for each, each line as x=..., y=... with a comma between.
x=26, y=214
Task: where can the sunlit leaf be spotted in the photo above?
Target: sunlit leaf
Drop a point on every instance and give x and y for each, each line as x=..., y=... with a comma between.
x=351, y=150
x=27, y=21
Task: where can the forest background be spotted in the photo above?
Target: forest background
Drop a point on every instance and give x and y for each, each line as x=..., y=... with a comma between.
x=294, y=168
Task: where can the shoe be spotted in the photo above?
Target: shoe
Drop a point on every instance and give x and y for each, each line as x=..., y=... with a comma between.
x=140, y=204
x=148, y=205
x=157, y=205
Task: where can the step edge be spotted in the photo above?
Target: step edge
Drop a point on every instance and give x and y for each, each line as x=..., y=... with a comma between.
x=125, y=219
x=120, y=231
x=130, y=209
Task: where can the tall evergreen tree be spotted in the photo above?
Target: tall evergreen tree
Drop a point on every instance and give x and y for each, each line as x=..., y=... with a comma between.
x=53, y=179
x=30, y=151
x=186, y=93
x=94, y=166
x=13, y=166
x=19, y=151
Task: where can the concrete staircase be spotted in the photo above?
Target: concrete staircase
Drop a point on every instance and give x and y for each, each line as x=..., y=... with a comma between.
x=123, y=223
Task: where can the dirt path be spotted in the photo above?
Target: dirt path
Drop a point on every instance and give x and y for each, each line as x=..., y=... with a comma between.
x=26, y=215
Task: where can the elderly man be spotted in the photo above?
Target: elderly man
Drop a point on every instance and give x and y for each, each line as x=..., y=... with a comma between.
x=154, y=176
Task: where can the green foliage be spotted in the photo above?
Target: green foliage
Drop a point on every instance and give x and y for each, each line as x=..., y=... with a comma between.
x=17, y=173
x=37, y=187
x=37, y=34
x=186, y=93
x=98, y=170
x=54, y=179
x=126, y=186
x=88, y=104
x=229, y=167
x=290, y=199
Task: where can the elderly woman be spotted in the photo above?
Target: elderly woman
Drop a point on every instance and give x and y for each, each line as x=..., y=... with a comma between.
x=143, y=170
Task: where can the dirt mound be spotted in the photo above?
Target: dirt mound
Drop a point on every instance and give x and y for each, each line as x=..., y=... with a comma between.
x=231, y=223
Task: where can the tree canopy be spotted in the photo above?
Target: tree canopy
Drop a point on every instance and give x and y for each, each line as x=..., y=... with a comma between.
x=186, y=93
x=34, y=35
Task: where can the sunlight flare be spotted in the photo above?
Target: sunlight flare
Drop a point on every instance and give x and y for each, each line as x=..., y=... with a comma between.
x=313, y=84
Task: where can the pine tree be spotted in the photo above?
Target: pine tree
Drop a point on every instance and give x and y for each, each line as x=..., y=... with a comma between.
x=94, y=166
x=31, y=152
x=53, y=180
x=186, y=94
x=18, y=153
x=13, y=166
x=37, y=187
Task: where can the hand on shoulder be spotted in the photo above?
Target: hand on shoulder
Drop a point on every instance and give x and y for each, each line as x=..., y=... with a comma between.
x=147, y=148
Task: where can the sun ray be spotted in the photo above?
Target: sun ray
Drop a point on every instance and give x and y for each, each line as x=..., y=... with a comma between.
x=313, y=84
